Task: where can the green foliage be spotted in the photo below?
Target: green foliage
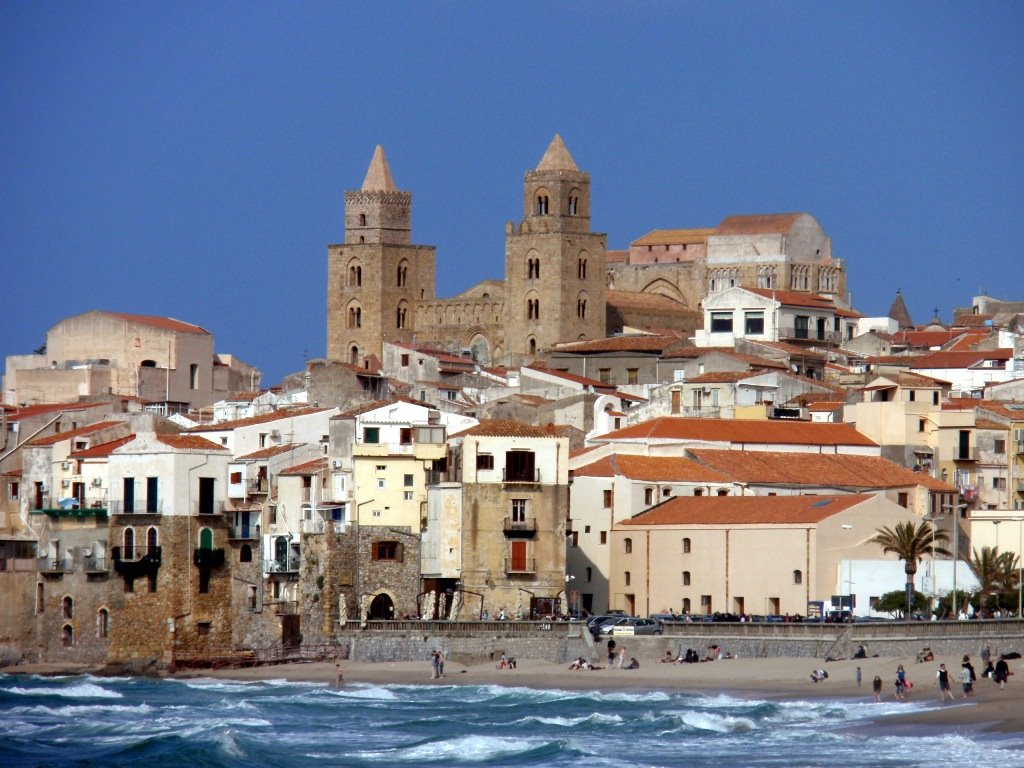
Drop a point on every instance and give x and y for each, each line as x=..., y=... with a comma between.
x=895, y=603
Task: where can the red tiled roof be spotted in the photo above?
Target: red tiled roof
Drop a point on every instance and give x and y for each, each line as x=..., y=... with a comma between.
x=815, y=469
x=506, y=428
x=266, y=453
x=741, y=431
x=722, y=377
x=746, y=510
x=307, y=468
x=102, y=450
x=794, y=298
x=675, y=236
x=757, y=224
x=58, y=437
x=571, y=377
x=641, y=300
x=28, y=411
x=251, y=420
x=825, y=406
x=166, y=323
x=989, y=424
x=645, y=342
x=651, y=469
x=961, y=359
x=190, y=443
x=616, y=257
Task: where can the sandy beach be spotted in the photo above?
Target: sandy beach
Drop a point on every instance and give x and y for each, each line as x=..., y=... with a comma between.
x=989, y=709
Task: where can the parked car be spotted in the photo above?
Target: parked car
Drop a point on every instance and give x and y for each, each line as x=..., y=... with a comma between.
x=594, y=623
x=633, y=626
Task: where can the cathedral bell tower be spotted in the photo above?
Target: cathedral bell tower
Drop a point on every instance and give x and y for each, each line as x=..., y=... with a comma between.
x=375, y=278
x=554, y=265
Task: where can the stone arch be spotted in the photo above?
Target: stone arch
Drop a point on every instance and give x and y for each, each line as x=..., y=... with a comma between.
x=542, y=202
x=128, y=543
x=581, y=305
x=402, y=273
x=205, y=538
x=480, y=348
x=67, y=636
x=532, y=306
x=402, y=314
x=67, y=607
x=662, y=287
x=382, y=606
x=572, y=205
x=353, y=353
x=581, y=265
x=103, y=622
x=152, y=538
x=354, y=273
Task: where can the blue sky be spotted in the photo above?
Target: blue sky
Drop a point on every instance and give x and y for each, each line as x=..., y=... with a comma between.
x=190, y=159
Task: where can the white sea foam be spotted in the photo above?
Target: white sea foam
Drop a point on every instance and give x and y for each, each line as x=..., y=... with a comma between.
x=90, y=710
x=375, y=692
x=569, y=722
x=463, y=749
x=719, y=723
x=78, y=691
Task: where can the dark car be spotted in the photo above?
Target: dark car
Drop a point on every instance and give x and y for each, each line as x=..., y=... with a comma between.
x=594, y=623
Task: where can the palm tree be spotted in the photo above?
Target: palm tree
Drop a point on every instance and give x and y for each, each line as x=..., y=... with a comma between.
x=910, y=545
x=987, y=565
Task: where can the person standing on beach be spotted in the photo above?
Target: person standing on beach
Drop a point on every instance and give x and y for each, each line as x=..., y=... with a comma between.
x=435, y=665
x=876, y=686
x=858, y=677
x=611, y=652
x=901, y=682
x=339, y=674
x=1002, y=672
x=622, y=657
x=440, y=664
x=967, y=676
x=942, y=676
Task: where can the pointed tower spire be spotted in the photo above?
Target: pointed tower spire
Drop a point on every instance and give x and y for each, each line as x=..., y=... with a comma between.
x=378, y=175
x=557, y=157
x=898, y=312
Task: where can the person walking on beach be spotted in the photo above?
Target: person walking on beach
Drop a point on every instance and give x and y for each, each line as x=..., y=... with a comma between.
x=611, y=653
x=858, y=676
x=901, y=682
x=942, y=677
x=876, y=686
x=435, y=665
x=440, y=664
x=622, y=657
x=1002, y=671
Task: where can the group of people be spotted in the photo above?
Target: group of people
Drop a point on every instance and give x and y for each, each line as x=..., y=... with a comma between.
x=690, y=657
x=507, y=662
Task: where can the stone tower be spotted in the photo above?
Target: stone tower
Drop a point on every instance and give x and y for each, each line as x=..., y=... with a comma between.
x=375, y=278
x=554, y=265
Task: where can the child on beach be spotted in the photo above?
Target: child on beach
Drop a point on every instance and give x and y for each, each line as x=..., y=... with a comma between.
x=876, y=685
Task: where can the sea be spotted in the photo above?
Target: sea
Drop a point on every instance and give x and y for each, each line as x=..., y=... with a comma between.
x=199, y=722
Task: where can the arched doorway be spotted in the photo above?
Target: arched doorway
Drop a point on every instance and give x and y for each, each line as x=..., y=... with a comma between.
x=381, y=608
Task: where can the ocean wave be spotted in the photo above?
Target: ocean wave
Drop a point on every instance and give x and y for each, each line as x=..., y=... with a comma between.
x=86, y=710
x=365, y=691
x=468, y=749
x=717, y=722
x=78, y=691
x=597, y=718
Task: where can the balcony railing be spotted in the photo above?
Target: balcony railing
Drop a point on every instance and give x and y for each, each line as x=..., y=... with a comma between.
x=965, y=455
x=520, y=566
x=138, y=507
x=520, y=528
x=520, y=475
x=55, y=565
x=208, y=558
x=77, y=513
x=96, y=564
x=243, y=532
x=289, y=564
x=257, y=486
x=209, y=508
x=810, y=334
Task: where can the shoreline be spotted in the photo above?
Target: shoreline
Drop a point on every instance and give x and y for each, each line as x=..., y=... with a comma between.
x=991, y=710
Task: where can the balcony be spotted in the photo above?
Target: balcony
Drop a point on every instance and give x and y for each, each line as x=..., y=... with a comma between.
x=55, y=565
x=243, y=532
x=73, y=513
x=207, y=509
x=138, y=507
x=520, y=529
x=258, y=487
x=528, y=476
x=208, y=558
x=965, y=455
x=809, y=334
x=520, y=566
x=289, y=564
x=95, y=565
x=136, y=561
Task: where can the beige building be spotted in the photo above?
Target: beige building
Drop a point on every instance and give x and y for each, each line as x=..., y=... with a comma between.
x=742, y=554
x=169, y=364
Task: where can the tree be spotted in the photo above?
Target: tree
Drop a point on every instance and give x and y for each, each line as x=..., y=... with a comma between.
x=910, y=545
x=895, y=603
x=987, y=566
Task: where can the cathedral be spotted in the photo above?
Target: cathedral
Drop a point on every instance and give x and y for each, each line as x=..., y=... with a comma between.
x=561, y=284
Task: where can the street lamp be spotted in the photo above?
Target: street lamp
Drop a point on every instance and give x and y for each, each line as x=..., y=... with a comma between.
x=955, y=512
x=849, y=572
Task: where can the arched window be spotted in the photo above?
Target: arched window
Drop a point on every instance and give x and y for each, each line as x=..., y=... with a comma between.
x=533, y=268
x=400, y=315
x=533, y=309
x=686, y=546
x=205, y=538
x=574, y=202
x=628, y=577
x=533, y=346
x=686, y=578
x=628, y=543
x=67, y=608
x=355, y=275
x=403, y=273
x=581, y=268
x=355, y=316
x=102, y=623
x=68, y=636
x=686, y=605
x=542, y=205
x=798, y=577
x=581, y=309
x=698, y=491
x=129, y=543
x=723, y=492
x=152, y=539
x=353, y=354
x=362, y=219
x=245, y=554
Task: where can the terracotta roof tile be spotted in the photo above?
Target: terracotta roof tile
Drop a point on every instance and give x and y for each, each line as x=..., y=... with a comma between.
x=28, y=411
x=102, y=450
x=627, y=343
x=794, y=298
x=572, y=377
x=266, y=453
x=815, y=469
x=651, y=301
x=263, y=418
x=166, y=323
x=721, y=377
x=741, y=431
x=962, y=359
x=989, y=424
x=307, y=468
x=59, y=437
x=757, y=224
x=746, y=510
x=616, y=257
x=651, y=469
x=675, y=236
x=190, y=443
